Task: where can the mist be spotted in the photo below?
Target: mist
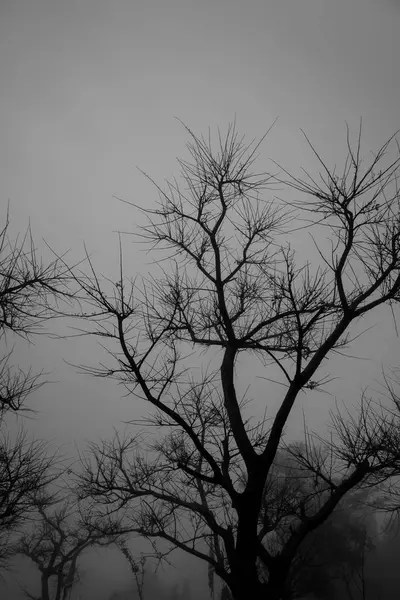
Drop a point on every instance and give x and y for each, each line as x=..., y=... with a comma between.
x=91, y=94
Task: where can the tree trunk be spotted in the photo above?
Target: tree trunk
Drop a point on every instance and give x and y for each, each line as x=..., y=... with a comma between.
x=45, y=586
x=60, y=585
x=246, y=589
x=247, y=585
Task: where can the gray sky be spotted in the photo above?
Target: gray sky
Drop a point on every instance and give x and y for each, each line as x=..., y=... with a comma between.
x=90, y=89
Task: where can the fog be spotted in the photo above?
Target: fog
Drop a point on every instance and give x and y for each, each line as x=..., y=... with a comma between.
x=90, y=91
x=106, y=576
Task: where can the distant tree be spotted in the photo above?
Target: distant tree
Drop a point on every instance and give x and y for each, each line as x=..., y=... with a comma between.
x=29, y=292
x=331, y=562
x=230, y=285
x=137, y=567
x=55, y=542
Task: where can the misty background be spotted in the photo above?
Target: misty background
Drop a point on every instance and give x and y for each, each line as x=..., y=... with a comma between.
x=89, y=92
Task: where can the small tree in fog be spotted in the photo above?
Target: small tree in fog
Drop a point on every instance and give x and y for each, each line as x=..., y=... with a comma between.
x=231, y=285
x=55, y=541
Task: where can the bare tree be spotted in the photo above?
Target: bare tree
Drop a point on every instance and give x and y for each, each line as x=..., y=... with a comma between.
x=56, y=541
x=230, y=285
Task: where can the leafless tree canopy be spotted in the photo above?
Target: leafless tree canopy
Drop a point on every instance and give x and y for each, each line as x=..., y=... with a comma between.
x=28, y=286
x=29, y=294
x=60, y=533
x=232, y=283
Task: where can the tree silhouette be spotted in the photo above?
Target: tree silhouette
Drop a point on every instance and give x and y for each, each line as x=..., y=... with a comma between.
x=56, y=540
x=231, y=285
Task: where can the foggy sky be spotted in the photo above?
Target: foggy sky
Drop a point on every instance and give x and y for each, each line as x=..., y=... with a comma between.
x=89, y=91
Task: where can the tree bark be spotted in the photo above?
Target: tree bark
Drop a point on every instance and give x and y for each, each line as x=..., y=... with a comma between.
x=245, y=581
x=45, y=586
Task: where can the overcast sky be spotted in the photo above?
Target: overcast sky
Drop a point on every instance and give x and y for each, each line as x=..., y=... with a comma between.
x=90, y=89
